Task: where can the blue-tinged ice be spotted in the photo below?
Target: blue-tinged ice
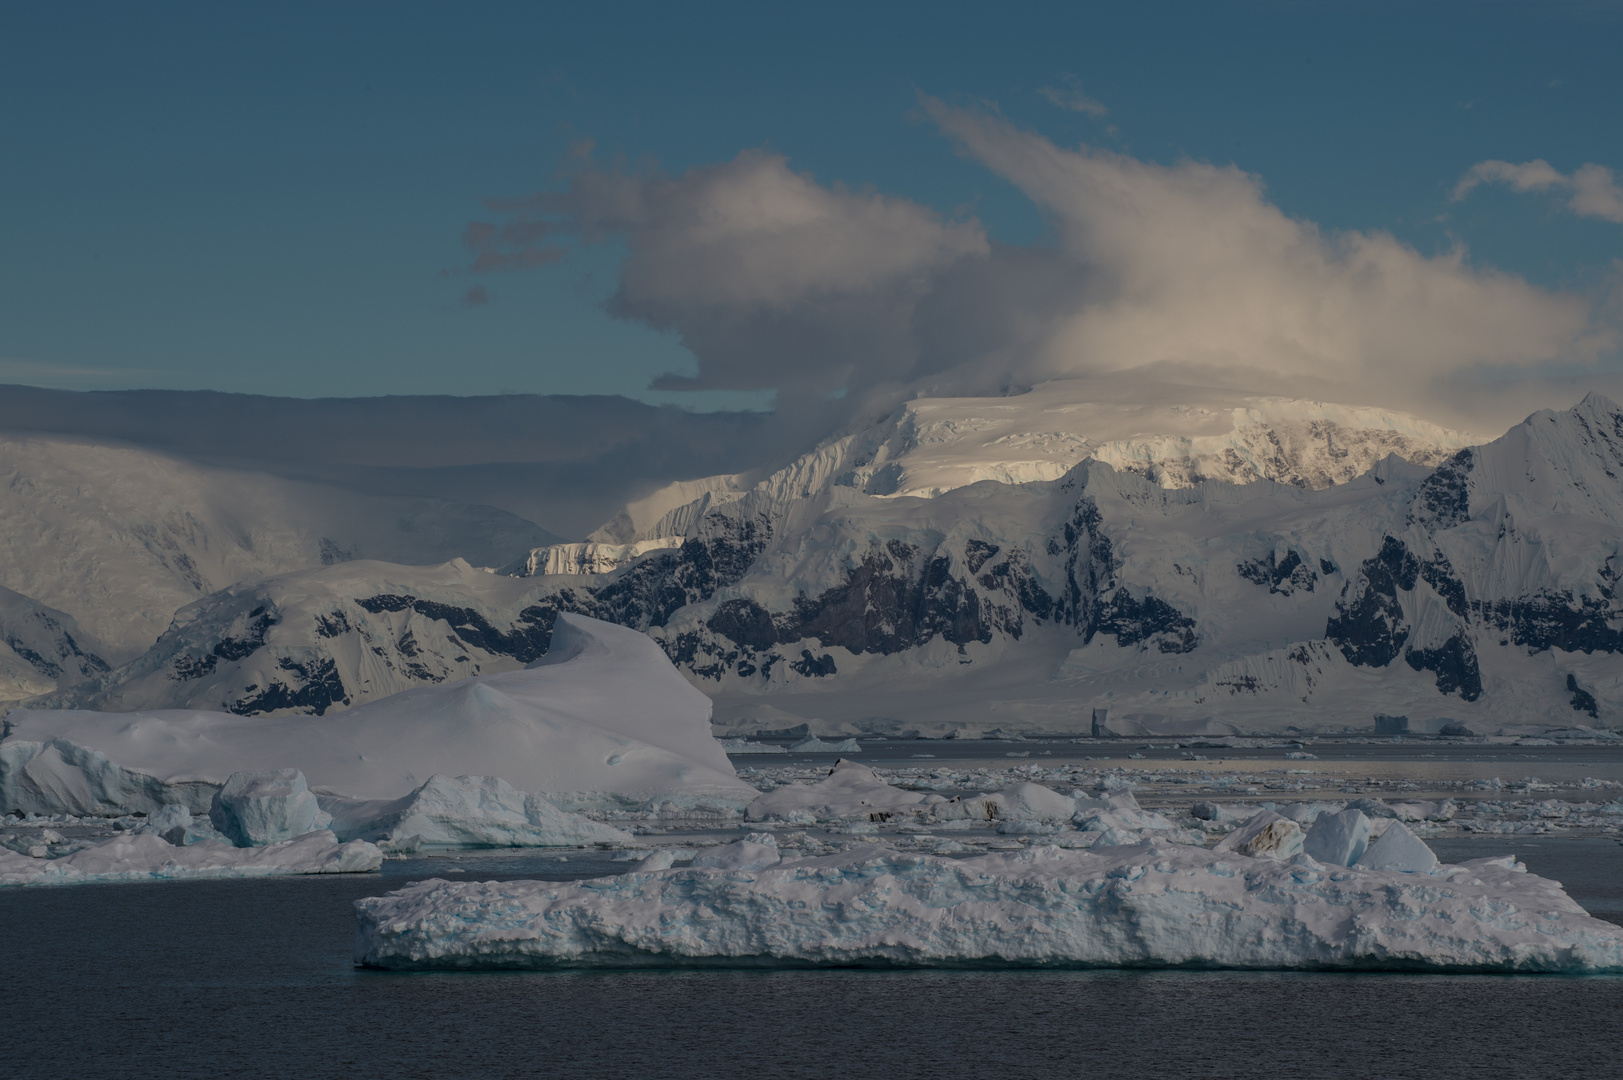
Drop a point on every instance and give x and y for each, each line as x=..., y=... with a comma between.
x=256, y=809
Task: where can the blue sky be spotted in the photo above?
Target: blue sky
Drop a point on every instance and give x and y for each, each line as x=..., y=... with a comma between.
x=273, y=199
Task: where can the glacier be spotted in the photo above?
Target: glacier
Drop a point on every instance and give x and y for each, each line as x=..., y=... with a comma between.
x=1139, y=905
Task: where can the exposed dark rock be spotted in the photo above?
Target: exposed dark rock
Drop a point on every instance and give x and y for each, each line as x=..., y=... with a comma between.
x=814, y=666
x=1455, y=663
x=1582, y=700
x=1148, y=619
x=332, y=625
x=976, y=552
x=1439, y=574
x=316, y=687
x=1444, y=498
x=745, y=622
x=1286, y=576
x=526, y=640
x=1556, y=621
x=1369, y=626
x=230, y=648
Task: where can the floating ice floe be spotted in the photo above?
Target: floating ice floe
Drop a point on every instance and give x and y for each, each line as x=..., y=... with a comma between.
x=1138, y=905
x=602, y=718
x=147, y=856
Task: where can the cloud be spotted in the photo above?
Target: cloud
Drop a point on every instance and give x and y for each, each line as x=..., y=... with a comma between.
x=476, y=297
x=1070, y=97
x=52, y=375
x=1189, y=263
x=772, y=279
x=1595, y=191
x=842, y=300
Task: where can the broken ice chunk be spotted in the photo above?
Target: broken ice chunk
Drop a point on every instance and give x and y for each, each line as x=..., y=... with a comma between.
x=1398, y=849
x=1338, y=838
x=255, y=809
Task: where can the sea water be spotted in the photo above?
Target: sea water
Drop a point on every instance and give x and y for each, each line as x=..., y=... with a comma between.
x=254, y=978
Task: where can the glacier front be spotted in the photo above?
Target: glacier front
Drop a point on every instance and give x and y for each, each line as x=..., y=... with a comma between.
x=1140, y=905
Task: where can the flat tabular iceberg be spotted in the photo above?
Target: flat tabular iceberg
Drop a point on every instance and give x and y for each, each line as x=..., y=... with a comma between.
x=1140, y=905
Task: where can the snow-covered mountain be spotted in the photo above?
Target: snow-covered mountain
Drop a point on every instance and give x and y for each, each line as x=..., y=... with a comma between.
x=42, y=649
x=931, y=446
x=120, y=537
x=1479, y=591
x=329, y=638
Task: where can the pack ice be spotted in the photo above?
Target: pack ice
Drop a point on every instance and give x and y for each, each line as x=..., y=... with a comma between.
x=602, y=717
x=1148, y=904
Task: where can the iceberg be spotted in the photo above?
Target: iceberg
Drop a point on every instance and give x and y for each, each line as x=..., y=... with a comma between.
x=850, y=790
x=746, y=746
x=467, y=812
x=146, y=856
x=1266, y=835
x=1338, y=838
x=811, y=744
x=1133, y=905
x=603, y=715
x=1399, y=850
x=256, y=809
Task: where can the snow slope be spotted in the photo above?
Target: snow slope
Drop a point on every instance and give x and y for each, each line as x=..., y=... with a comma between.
x=120, y=537
x=1133, y=905
x=602, y=714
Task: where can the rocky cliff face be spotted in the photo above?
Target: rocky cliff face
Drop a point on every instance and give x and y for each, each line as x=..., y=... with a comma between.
x=1483, y=589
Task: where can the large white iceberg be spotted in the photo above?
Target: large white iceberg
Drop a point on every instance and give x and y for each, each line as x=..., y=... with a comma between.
x=1141, y=905
x=149, y=857
x=603, y=715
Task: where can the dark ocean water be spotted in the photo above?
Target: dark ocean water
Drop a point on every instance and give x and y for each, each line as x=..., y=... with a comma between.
x=254, y=979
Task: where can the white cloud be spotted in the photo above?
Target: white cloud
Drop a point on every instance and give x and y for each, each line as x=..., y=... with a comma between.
x=1190, y=264
x=777, y=282
x=1071, y=98
x=1595, y=192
